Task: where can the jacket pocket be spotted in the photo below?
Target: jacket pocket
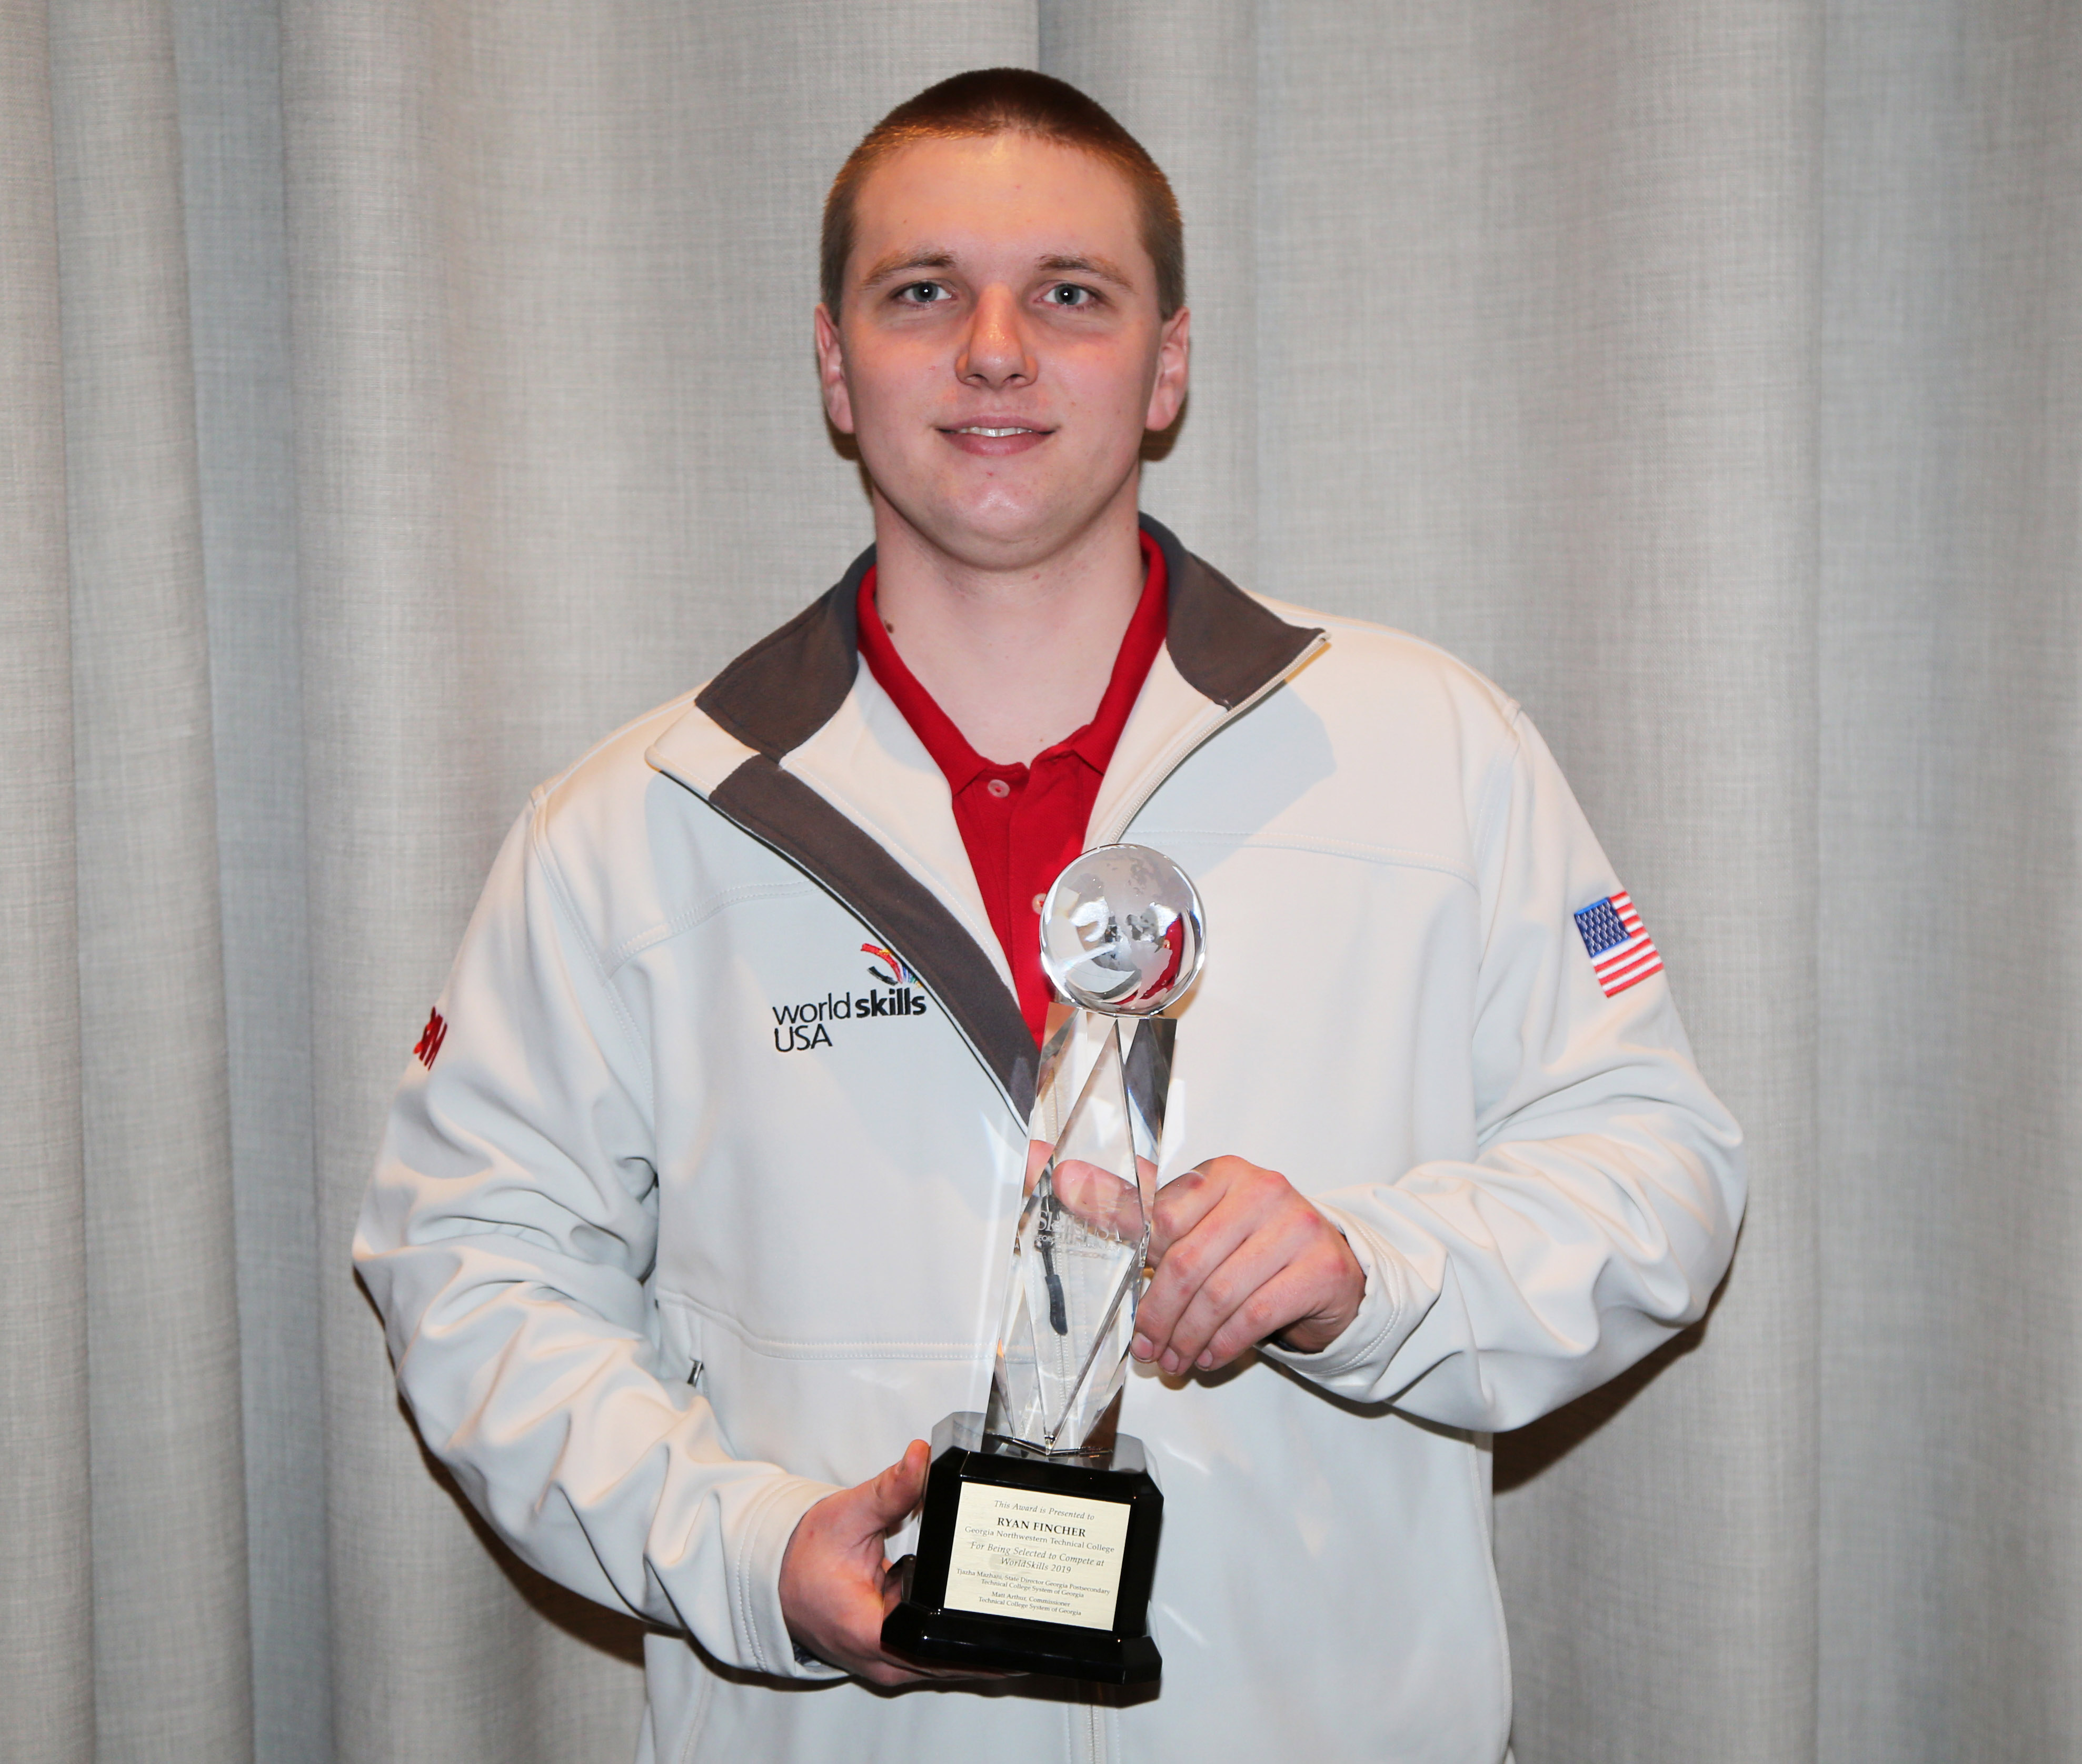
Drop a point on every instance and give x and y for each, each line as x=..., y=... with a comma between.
x=680, y=1341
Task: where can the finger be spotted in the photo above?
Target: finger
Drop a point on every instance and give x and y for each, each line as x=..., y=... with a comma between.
x=1272, y=1241
x=907, y=1671
x=891, y=1670
x=1100, y=1199
x=1285, y=1296
x=884, y=1668
x=1038, y=1154
x=1293, y=1267
x=1228, y=1287
x=892, y=1592
x=855, y=1646
x=1184, y=1201
x=1184, y=1268
x=890, y=1496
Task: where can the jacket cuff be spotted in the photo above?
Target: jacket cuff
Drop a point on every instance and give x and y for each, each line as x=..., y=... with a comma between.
x=755, y=1577
x=1355, y=1361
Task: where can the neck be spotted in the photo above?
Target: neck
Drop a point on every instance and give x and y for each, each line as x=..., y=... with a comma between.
x=1017, y=658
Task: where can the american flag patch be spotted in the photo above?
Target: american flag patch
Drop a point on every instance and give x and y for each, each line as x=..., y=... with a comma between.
x=1620, y=949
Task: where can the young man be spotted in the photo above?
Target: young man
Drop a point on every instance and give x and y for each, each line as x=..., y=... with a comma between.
x=695, y=1206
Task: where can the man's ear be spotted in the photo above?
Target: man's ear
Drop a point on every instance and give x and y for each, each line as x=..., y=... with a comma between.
x=831, y=370
x=1174, y=349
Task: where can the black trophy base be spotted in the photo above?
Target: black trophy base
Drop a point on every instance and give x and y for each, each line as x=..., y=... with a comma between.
x=1071, y=1528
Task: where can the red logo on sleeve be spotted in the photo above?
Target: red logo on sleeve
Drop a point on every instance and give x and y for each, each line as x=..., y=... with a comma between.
x=430, y=1039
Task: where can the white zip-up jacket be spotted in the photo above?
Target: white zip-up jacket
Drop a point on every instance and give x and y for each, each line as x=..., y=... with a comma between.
x=686, y=1216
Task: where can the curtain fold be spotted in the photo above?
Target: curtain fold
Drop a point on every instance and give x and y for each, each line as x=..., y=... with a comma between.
x=46, y=1631
x=171, y=1655
x=227, y=59
x=396, y=395
x=1950, y=657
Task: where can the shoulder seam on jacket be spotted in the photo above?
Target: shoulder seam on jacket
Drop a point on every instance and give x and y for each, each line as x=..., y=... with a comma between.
x=1392, y=856
x=676, y=708
x=1507, y=763
x=679, y=924
x=566, y=908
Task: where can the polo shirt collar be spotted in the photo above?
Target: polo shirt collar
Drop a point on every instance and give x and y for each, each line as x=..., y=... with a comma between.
x=779, y=692
x=1093, y=743
x=797, y=745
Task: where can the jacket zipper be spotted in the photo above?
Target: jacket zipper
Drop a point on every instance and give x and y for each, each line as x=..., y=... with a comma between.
x=1087, y=1734
x=1111, y=832
x=920, y=981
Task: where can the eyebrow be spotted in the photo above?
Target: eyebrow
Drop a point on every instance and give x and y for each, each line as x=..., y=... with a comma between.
x=1103, y=266
x=908, y=258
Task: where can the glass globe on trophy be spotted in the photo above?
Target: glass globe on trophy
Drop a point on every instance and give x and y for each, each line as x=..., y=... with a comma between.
x=1037, y=1541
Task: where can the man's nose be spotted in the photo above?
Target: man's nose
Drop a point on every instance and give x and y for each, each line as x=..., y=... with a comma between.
x=994, y=353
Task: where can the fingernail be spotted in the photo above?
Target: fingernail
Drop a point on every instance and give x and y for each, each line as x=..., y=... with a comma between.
x=1142, y=1347
x=1206, y=1360
x=1171, y=1362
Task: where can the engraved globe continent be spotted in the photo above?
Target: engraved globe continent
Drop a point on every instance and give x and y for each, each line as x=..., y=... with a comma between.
x=1121, y=932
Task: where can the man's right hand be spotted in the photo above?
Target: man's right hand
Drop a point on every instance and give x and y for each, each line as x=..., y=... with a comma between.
x=835, y=1584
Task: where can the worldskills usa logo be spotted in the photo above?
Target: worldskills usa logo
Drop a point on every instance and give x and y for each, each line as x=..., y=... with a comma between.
x=798, y=1028
x=898, y=974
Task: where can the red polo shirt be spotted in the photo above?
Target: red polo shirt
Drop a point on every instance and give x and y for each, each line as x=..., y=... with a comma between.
x=1021, y=824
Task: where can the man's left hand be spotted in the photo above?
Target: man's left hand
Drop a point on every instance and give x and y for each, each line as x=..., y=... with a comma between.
x=1239, y=1257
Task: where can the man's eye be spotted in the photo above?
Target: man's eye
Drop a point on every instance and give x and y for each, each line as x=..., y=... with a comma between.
x=922, y=294
x=1069, y=295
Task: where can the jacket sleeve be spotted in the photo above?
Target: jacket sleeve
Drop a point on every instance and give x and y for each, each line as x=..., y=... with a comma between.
x=1600, y=1211
x=507, y=1237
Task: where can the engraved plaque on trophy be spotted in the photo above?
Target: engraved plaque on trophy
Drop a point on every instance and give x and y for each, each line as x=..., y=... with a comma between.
x=1037, y=1542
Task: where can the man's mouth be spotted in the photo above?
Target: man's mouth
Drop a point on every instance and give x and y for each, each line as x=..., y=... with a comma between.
x=1001, y=439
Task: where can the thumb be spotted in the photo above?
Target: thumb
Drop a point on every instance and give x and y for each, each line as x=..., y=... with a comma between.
x=892, y=1495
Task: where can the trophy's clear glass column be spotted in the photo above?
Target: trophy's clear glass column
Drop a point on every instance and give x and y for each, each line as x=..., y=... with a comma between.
x=1037, y=1541
x=1078, y=1259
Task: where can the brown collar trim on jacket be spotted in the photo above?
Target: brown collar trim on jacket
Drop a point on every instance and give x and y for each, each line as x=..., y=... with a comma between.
x=777, y=808
x=1224, y=645
x=790, y=683
x=787, y=686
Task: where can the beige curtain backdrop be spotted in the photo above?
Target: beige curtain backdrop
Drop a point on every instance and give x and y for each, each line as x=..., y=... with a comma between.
x=396, y=394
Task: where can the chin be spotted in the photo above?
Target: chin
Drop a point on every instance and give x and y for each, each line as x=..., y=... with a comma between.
x=999, y=533
x=999, y=525
x=1006, y=544
x=1005, y=531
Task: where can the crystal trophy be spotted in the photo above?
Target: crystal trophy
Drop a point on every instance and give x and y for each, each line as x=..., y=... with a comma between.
x=1037, y=1541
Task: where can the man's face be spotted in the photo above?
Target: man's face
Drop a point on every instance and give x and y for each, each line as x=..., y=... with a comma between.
x=999, y=355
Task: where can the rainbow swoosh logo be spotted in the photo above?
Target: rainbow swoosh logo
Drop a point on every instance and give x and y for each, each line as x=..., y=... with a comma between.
x=897, y=974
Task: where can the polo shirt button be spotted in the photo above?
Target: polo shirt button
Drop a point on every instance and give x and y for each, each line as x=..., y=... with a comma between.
x=997, y=787
x=1036, y=903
